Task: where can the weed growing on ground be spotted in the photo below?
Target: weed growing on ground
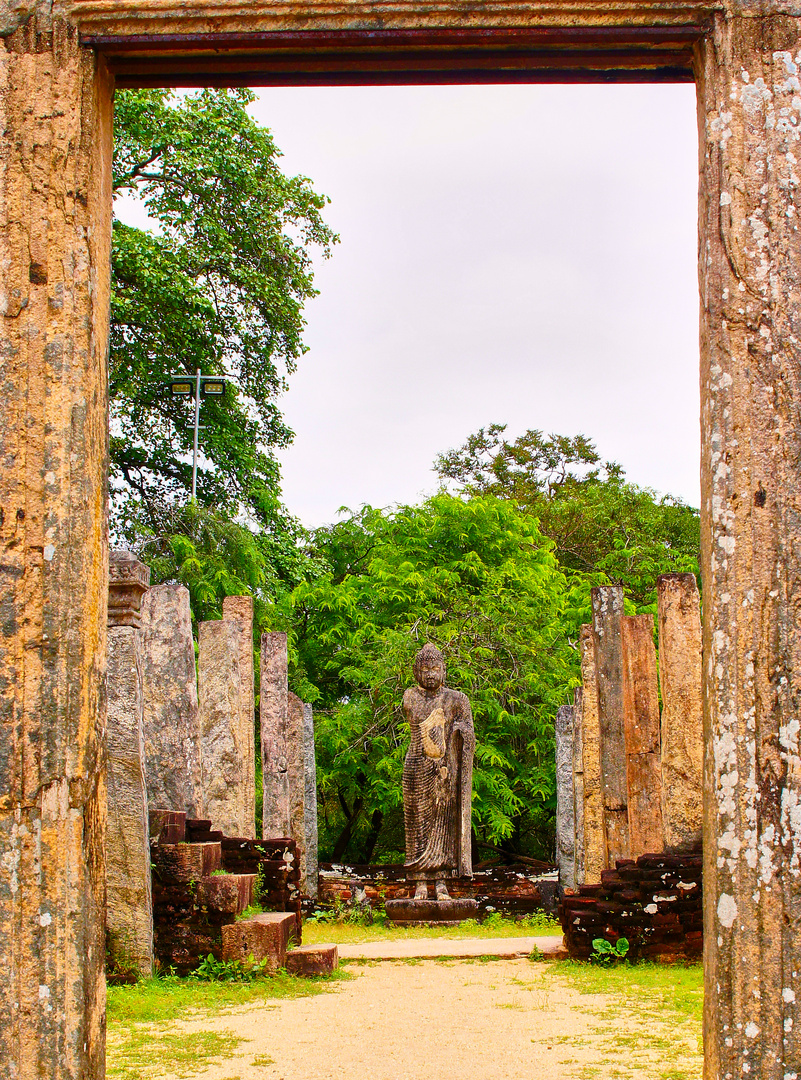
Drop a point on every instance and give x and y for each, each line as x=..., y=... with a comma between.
x=356, y=930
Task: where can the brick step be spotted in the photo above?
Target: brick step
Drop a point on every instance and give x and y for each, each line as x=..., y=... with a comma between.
x=309, y=960
x=230, y=893
x=264, y=937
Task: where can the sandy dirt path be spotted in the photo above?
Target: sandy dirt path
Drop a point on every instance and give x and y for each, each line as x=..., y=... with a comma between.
x=452, y=1020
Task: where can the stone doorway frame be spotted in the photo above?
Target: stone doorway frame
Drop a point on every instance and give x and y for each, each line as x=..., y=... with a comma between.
x=57, y=69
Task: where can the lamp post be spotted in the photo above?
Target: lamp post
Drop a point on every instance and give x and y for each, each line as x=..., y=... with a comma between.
x=200, y=385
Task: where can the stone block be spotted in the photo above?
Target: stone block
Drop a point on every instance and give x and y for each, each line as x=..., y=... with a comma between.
x=311, y=960
x=296, y=780
x=224, y=758
x=239, y=610
x=179, y=863
x=565, y=810
x=128, y=580
x=263, y=937
x=679, y=621
x=607, y=613
x=641, y=725
x=432, y=912
x=310, y=802
x=228, y=893
x=171, y=724
x=273, y=717
x=129, y=904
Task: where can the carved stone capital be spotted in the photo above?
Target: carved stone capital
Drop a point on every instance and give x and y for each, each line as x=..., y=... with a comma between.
x=128, y=581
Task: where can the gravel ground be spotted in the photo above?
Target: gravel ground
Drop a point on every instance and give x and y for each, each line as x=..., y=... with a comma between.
x=451, y=1020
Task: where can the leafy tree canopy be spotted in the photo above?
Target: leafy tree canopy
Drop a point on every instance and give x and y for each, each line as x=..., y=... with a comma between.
x=219, y=284
x=478, y=579
x=601, y=524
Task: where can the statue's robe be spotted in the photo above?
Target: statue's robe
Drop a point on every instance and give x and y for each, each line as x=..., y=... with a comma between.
x=438, y=785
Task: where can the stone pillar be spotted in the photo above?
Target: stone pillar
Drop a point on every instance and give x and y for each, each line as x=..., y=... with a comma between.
x=223, y=757
x=607, y=612
x=641, y=724
x=750, y=277
x=682, y=711
x=129, y=911
x=273, y=717
x=239, y=609
x=310, y=801
x=172, y=727
x=296, y=780
x=594, y=838
x=55, y=229
x=565, y=814
x=578, y=788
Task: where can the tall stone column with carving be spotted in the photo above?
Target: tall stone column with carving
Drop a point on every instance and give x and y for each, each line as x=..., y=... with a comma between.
x=607, y=614
x=641, y=725
x=172, y=721
x=749, y=102
x=296, y=779
x=565, y=795
x=129, y=912
x=578, y=788
x=239, y=610
x=310, y=800
x=224, y=758
x=55, y=231
x=273, y=708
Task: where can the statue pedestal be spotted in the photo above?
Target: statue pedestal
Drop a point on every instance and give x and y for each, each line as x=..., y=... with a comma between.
x=431, y=912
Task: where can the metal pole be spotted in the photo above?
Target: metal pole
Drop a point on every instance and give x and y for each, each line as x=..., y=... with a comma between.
x=197, y=425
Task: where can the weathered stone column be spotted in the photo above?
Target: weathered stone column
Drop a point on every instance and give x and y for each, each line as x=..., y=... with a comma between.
x=239, y=609
x=565, y=793
x=641, y=723
x=682, y=711
x=223, y=757
x=296, y=779
x=273, y=717
x=607, y=612
x=129, y=912
x=172, y=726
x=750, y=274
x=55, y=203
x=310, y=800
x=594, y=838
x=578, y=788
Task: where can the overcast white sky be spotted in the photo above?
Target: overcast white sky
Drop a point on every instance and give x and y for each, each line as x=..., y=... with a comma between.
x=517, y=254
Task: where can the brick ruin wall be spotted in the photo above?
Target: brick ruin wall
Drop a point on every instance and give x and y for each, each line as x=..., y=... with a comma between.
x=654, y=902
x=203, y=880
x=511, y=890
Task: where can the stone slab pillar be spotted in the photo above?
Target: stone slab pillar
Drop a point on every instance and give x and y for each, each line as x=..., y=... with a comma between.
x=239, y=609
x=310, y=801
x=607, y=613
x=55, y=230
x=750, y=277
x=594, y=835
x=296, y=780
x=273, y=706
x=565, y=812
x=171, y=721
x=578, y=788
x=679, y=619
x=641, y=723
x=129, y=911
x=223, y=757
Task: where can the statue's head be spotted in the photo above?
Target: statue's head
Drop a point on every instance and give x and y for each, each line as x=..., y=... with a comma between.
x=429, y=667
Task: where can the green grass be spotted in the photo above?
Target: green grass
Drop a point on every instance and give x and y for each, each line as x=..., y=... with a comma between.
x=345, y=933
x=142, y=1042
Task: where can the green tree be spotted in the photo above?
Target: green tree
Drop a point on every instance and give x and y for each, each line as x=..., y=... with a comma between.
x=218, y=284
x=602, y=526
x=477, y=578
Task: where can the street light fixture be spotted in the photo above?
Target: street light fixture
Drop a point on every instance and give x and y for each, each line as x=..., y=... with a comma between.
x=199, y=386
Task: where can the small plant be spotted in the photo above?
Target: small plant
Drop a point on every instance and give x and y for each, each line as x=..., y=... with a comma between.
x=604, y=952
x=213, y=970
